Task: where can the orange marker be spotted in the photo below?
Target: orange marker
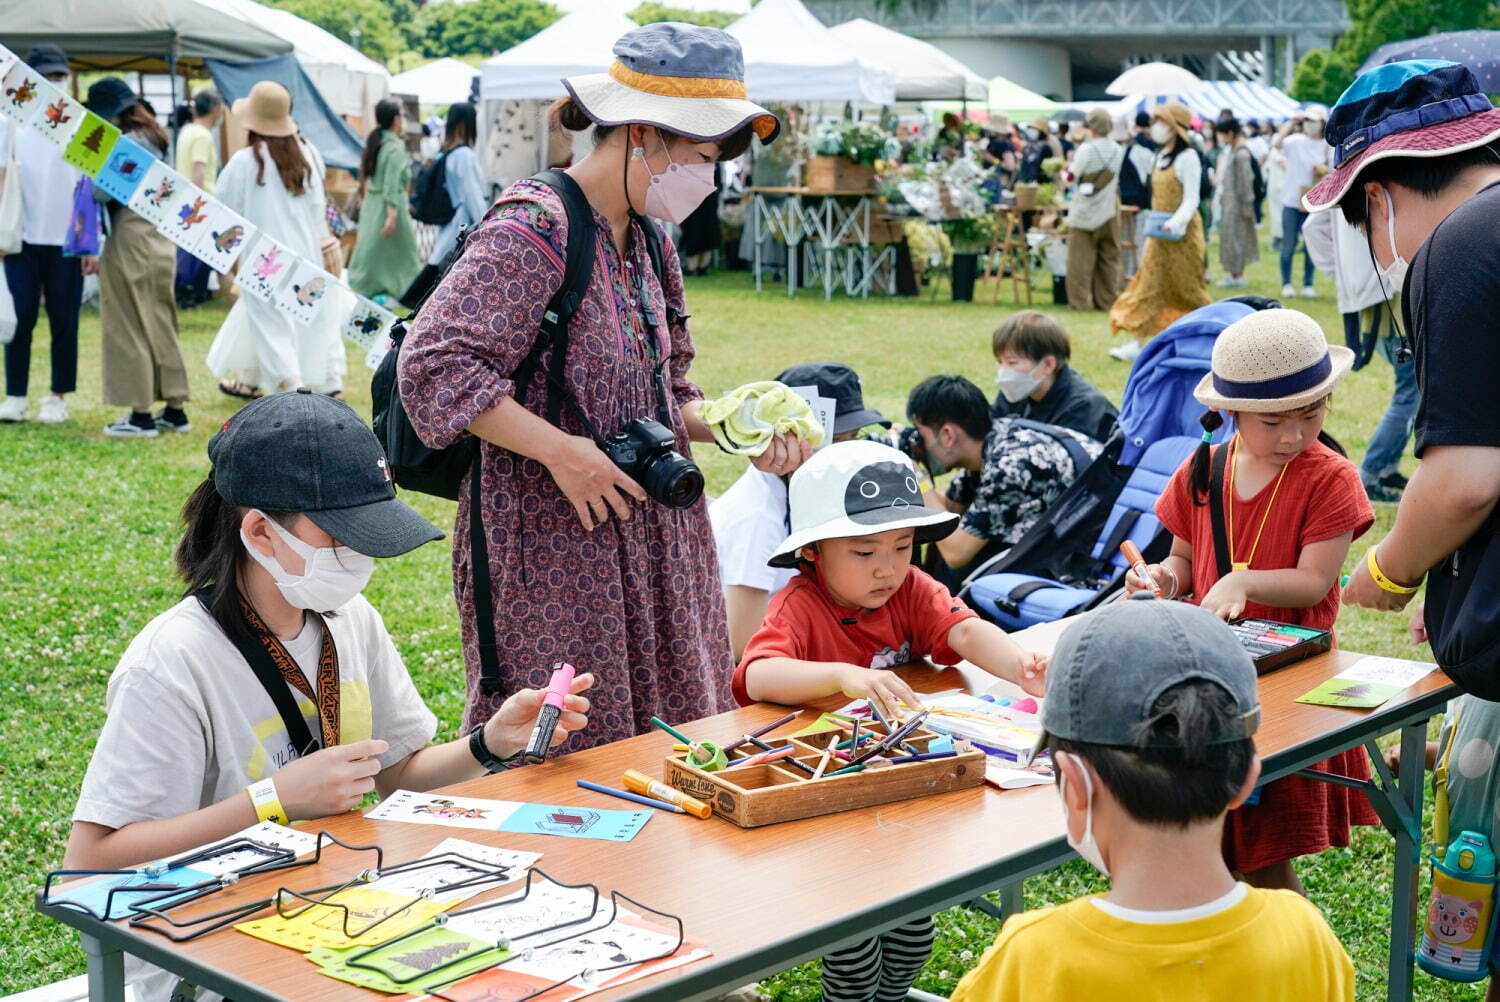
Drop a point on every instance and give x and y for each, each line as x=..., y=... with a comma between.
x=639, y=782
x=1138, y=564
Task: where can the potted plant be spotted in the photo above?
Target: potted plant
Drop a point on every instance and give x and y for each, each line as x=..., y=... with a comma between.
x=845, y=156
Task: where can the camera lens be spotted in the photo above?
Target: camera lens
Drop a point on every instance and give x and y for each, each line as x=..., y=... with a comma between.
x=673, y=480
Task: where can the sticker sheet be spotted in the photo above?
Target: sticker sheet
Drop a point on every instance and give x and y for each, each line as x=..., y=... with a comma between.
x=263, y=267
x=1367, y=683
x=428, y=960
x=124, y=169
x=157, y=193
x=223, y=240
x=91, y=145
x=22, y=91
x=57, y=118
x=305, y=291
x=310, y=926
x=510, y=816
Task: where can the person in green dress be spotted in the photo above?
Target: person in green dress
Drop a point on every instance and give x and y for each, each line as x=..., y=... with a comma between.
x=386, y=256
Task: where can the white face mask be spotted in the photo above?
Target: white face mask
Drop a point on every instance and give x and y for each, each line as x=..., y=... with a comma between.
x=1160, y=133
x=331, y=575
x=1393, y=275
x=1016, y=385
x=1033, y=133
x=1086, y=846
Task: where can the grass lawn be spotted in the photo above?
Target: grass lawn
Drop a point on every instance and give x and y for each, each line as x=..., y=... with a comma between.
x=88, y=524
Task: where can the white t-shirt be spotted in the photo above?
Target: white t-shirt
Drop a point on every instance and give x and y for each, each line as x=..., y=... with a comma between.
x=47, y=184
x=1304, y=154
x=749, y=522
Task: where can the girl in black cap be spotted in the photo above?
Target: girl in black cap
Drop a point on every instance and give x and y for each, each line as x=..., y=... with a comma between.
x=272, y=691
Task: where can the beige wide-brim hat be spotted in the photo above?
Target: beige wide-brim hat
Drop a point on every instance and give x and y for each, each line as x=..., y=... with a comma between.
x=1176, y=115
x=682, y=78
x=1272, y=361
x=267, y=111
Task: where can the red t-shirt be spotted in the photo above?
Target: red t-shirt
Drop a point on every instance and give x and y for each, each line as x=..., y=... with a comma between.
x=1321, y=497
x=804, y=623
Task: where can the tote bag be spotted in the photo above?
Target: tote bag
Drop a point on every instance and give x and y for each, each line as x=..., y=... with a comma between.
x=10, y=197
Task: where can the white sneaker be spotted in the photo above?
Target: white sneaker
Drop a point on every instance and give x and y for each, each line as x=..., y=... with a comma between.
x=54, y=410
x=1308, y=292
x=1126, y=352
x=125, y=428
x=1288, y=291
x=14, y=409
x=1232, y=283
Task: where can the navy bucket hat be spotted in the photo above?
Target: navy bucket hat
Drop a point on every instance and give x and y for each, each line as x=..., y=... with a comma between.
x=1412, y=108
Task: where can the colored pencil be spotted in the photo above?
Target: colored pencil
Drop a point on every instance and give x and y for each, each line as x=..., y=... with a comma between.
x=767, y=729
x=823, y=762
x=632, y=797
x=924, y=756
x=673, y=731
x=846, y=769
x=761, y=758
x=767, y=746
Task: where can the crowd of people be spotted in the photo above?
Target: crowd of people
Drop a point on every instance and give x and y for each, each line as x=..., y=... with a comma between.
x=802, y=580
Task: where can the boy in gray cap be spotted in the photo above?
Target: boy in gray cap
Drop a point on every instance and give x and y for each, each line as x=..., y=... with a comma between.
x=1151, y=707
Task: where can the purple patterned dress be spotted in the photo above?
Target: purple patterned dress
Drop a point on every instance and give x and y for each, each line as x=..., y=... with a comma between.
x=638, y=603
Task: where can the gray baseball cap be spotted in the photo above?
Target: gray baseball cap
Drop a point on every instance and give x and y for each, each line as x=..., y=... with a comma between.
x=841, y=383
x=306, y=452
x=1110, y=668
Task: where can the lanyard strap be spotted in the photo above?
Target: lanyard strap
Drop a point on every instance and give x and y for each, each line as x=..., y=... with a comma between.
x=1229, y=510
x=326, y=699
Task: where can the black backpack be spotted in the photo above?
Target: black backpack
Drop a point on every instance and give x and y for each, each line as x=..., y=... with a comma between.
x=417, y=467
x=1134, y=190
x=1257, y=181
x=430, y=202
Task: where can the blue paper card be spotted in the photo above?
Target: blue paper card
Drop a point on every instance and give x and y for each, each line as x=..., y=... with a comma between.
x=575, y=822
x=124, y=169
x=94, y=897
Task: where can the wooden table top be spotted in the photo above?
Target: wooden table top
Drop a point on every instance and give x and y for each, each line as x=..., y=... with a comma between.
x=779, y=894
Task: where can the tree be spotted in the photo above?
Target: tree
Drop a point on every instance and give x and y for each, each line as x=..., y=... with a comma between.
x=1323, y=74
x=481, y=26
x=651, y=11
x=365, y=24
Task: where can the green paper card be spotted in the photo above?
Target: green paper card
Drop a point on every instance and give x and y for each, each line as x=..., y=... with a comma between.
x=1367, y=683
x=827, y=722
x=434, y=950
x=90, y=145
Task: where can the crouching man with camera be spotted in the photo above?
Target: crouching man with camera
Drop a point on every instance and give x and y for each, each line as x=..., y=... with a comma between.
x=597, y=538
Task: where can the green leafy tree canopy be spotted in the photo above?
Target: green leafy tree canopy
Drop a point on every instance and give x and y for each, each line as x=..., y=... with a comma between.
x=367, y=25
x=480, y=27
x=652, y=12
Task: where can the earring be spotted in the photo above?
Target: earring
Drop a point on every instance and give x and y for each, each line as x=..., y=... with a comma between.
x=638, y=153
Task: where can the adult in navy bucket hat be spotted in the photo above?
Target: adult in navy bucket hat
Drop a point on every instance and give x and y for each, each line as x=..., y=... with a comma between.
x=1416, y=148
x=590, y=562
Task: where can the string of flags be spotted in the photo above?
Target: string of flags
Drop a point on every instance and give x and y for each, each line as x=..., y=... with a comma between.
x=184, y=213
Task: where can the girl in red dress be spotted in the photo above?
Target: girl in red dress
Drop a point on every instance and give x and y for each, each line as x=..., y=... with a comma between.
x=1293, y=504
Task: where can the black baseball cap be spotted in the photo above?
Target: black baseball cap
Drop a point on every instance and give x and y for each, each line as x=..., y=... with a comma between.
x=108, y=97
x=841, y=383
x=47, y=59
x=305, y=452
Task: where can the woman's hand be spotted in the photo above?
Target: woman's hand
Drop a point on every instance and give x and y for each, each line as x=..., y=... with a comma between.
x=1172, y=227
x=1417, y=625
x=1227, y=598
x=783, y=455
x=510, y=728
x=592, y=483
x=885, y=688
x=329, y=781
x=88, y=265
x=389, y=229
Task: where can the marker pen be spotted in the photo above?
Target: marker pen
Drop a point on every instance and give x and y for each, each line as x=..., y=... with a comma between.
x=547, y=717
x=639, y=782
x=1138, y=564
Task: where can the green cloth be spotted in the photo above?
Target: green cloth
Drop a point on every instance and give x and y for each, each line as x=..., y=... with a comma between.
x=745, y=420
x=381, y=264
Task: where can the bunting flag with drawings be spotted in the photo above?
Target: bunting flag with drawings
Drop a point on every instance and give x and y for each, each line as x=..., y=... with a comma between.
x=189, y=217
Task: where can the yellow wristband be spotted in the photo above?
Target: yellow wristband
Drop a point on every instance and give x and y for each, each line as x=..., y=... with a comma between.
x=267, y=804
x=1385, y=583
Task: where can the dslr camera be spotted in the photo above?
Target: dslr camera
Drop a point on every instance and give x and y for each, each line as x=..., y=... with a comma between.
x=647, y=452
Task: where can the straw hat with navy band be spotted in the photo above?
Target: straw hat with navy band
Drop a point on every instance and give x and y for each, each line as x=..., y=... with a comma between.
x=1412, y=108
x=1272, y=361
x=682, y=78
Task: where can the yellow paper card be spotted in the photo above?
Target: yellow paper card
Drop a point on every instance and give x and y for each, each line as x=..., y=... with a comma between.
x=323, y=925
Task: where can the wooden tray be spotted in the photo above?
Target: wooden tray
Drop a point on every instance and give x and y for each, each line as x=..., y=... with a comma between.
x=826, y=173
x=758, y=795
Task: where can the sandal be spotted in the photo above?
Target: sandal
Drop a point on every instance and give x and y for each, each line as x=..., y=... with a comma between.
x=239, y=388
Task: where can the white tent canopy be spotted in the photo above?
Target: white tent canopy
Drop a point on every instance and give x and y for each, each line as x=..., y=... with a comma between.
x=792, y=56
x=1259, y=101
x=350, y=81
x=922, y=71
x=581, y=42
x=443, y=81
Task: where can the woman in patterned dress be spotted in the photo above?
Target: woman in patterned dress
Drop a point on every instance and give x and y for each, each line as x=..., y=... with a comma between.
x=584, y=567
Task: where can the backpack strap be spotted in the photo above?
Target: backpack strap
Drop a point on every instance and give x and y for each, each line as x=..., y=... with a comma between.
x=1076, y=452
x=479, y=571
x=1216, y=508
x=651, y=237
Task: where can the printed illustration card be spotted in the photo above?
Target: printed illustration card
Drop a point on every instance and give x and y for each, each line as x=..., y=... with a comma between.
x=58, y=118
x=510, y=816
x=223, y=240
x=190, y=213
x=91, y=145
x=427, y=960
x=1367, y=683
x=369, y=324
x=305, y=291
x=22, y=91
x=459, y=876
x=356, y=916
x=157, y=193
x=263, y=267
x=7, y=60
x=124, y=169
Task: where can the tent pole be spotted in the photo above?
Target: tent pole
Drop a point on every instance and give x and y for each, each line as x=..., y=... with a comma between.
x=172, y=98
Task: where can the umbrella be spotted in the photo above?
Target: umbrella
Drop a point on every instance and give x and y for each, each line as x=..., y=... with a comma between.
x=1476, y=49
x=1153, y=78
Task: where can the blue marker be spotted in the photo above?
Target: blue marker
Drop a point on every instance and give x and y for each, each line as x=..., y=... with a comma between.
x=633, y=797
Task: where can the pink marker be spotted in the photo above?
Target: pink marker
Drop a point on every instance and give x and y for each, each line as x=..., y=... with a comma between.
x=550, y=713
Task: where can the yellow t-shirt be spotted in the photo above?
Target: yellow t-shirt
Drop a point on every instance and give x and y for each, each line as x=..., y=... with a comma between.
x=1267, y=947
x=195, y=144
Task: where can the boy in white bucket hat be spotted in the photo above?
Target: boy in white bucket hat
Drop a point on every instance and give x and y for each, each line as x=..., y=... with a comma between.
x=1261, y=527
x=857, y=609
